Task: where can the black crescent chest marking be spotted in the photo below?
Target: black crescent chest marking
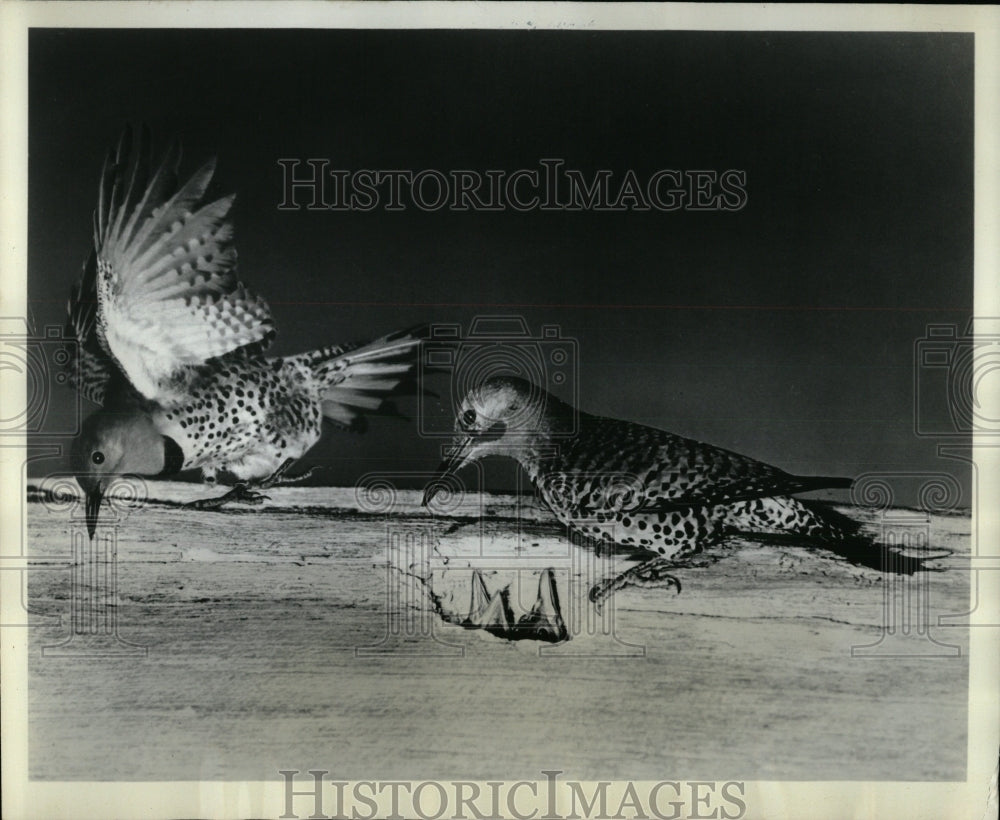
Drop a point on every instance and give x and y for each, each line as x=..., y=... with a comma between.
x=173, y=457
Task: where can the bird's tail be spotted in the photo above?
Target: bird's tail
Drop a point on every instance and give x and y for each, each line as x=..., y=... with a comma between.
x=788, y=518
x=360, y=380
x=820, y=482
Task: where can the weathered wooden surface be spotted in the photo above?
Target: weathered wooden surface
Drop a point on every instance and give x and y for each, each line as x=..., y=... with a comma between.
x=285, y=637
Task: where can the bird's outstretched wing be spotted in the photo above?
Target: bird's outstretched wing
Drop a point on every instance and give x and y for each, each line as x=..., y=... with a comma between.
x=670, y=472
x=164, y=275
x=92, y=369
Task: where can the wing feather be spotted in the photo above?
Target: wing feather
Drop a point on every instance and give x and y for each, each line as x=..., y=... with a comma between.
x=673, y=472
x=89, y=367
x=167, y=293
x=361, y=380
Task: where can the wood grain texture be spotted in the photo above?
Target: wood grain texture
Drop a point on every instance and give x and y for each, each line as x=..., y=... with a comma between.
x=253, y=619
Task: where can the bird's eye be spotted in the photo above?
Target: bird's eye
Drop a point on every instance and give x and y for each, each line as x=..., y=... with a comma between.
x=469, y=417
x=97, y=457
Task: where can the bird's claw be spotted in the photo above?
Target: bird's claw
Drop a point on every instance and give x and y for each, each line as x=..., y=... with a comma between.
x=279, y=479
x=649, y=574
x=251, y=497
x=240, y=494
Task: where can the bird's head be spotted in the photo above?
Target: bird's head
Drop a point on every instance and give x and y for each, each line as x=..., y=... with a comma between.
x=113, y=444
x=502, y=416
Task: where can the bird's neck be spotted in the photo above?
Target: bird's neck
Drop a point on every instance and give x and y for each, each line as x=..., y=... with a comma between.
x=533, y=456
x=557, y=432
x=537, y=452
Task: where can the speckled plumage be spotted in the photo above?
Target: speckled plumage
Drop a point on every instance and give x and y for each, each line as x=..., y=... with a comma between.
x=245, y=414
x=646, y=490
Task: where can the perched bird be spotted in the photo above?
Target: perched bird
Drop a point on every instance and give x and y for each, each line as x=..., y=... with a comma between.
x=642, y=489
x=171, y=345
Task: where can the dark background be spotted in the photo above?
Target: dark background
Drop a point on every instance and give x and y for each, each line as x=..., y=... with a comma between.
x=785, y=330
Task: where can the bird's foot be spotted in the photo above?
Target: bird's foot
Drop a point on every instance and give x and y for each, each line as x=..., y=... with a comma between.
x=279, y=479
x=652, y=573
x=240, y=494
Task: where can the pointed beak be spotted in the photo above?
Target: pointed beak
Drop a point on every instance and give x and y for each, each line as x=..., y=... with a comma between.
x=93, y=506
x=454, y=460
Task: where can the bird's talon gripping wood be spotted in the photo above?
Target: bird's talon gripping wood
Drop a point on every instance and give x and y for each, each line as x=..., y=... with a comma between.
x=652, y=573
x=240, y=494
x=171, y=345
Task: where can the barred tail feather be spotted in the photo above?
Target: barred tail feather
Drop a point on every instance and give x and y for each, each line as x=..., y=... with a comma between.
x=867, y=552
x=809, y=482
x=819, y=525
x=360, y=380
x=847, y=540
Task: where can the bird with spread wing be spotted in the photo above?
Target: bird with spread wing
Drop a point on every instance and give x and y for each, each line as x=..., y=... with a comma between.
x=172, y=345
